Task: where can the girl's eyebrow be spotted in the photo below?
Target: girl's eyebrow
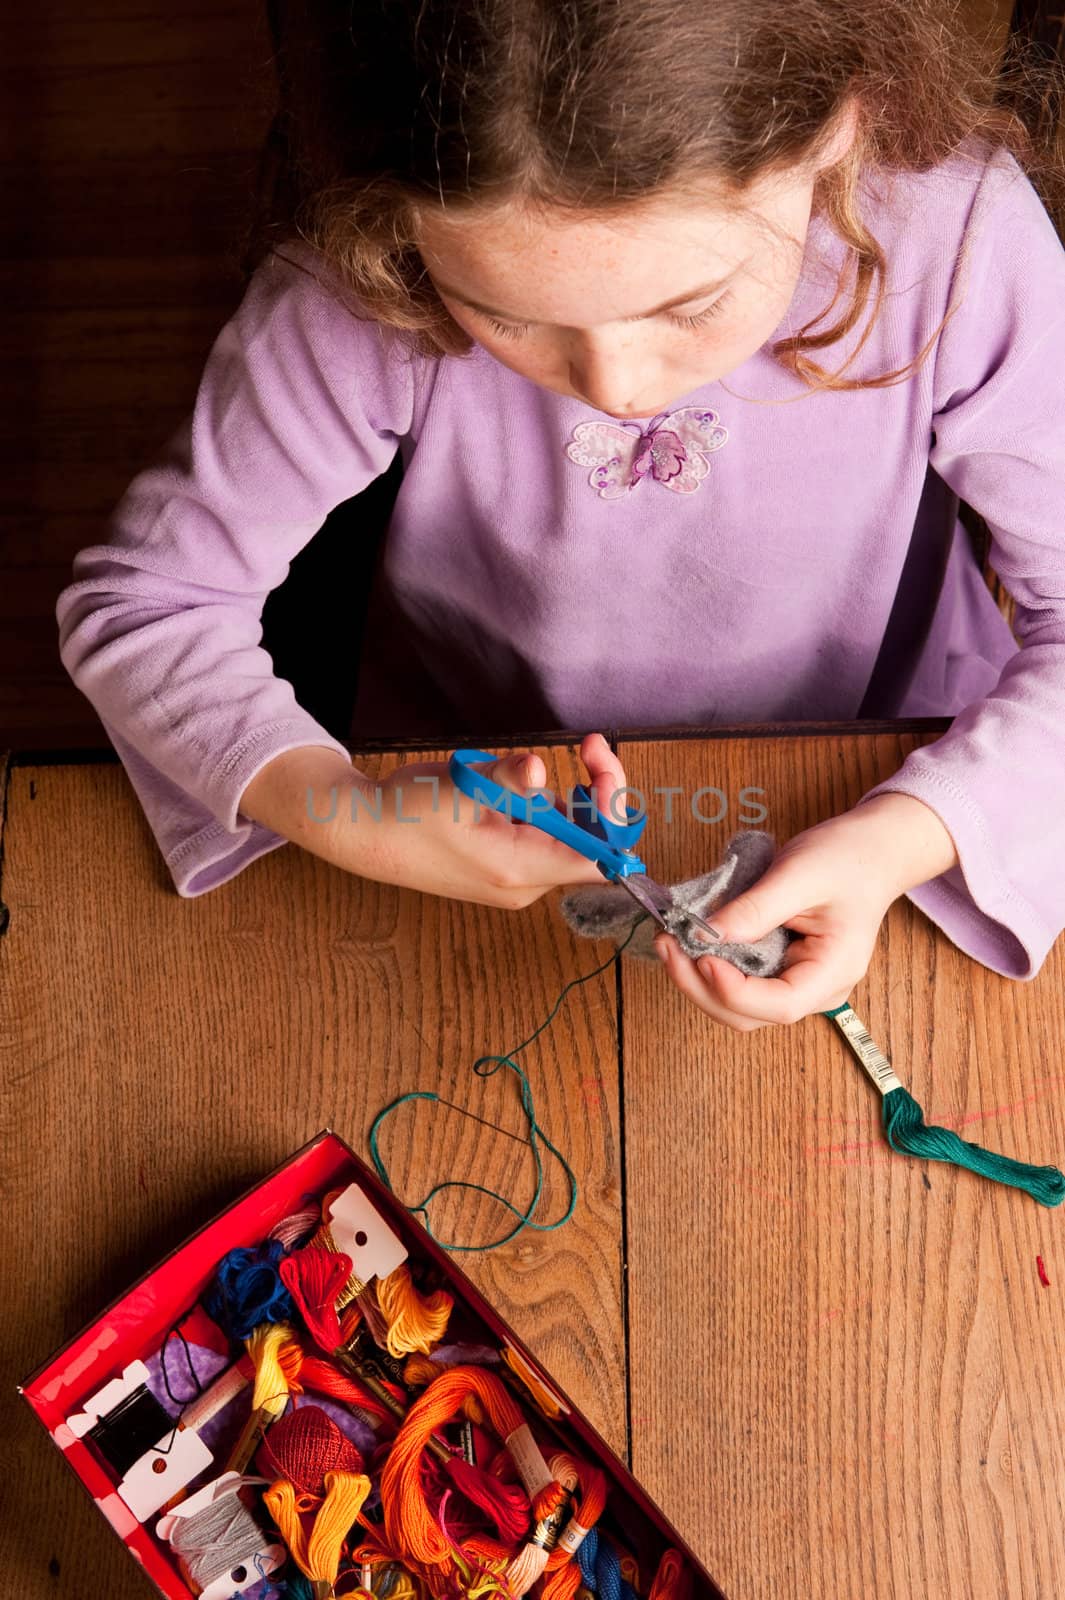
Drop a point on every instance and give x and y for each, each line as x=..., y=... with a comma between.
x=667, y=305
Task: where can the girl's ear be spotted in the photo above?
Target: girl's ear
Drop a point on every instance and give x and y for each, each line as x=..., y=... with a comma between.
x=605, y=912
x=752, y=852
x=840, y=135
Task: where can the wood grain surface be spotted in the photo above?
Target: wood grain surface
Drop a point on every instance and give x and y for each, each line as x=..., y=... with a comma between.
x=846, y=1377
x=159, y=1055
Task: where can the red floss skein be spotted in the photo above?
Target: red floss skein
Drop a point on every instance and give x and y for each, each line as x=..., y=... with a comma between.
x=314, y=1278
x=506, y=1503
x=324, y=1378
x=303, y=1447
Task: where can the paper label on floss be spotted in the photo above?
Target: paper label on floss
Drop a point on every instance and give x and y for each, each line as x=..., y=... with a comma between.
x=213, y=1400
x=363, y=1235
x=525, y=1453
x=573, y=1537
x=867, y=1051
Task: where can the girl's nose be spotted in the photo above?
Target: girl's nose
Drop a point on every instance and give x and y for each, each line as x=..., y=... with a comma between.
x=609, y=378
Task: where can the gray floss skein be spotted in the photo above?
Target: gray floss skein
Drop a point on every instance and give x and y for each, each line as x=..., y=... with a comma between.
x=609, y=912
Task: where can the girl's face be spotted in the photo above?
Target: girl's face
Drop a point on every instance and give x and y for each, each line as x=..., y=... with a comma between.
x=633, y=313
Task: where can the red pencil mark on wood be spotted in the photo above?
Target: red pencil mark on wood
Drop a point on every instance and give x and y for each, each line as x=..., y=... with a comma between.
x=1002, y=1111
x=1043, y=1279
x=835, y=1149
x=863, y=1159
x=834, y=1312
x=950, y=1117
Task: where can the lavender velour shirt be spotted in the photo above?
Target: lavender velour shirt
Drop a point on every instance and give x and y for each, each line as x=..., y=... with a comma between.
x=779, y=555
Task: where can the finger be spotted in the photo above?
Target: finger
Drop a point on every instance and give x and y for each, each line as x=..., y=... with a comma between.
x=606, y=773
x=520, y=771
x=682, y=970
x=521, y=853
x=803, y=987
x=520, y=857
x=813, y=976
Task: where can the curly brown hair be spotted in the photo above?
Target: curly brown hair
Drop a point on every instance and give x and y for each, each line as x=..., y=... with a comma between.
x=392, y=106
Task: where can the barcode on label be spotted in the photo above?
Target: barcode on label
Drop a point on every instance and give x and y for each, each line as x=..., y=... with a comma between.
x=868, y=1052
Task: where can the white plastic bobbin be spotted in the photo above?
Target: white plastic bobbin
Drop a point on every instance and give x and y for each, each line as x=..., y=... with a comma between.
x=363, y=1234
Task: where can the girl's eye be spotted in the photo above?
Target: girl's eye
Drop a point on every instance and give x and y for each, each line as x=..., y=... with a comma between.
x=703, y=316
x=508, y=330
x=514, y=330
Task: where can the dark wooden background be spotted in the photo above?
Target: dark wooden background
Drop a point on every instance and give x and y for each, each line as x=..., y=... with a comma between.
x=128, y=173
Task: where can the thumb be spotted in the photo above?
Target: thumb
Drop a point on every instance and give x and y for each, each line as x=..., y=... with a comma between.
x=755, y=913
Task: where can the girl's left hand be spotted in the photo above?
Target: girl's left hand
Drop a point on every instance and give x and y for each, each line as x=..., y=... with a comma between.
x=833, y=884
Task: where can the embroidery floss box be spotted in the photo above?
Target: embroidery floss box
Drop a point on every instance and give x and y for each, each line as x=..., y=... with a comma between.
x=309, y=1432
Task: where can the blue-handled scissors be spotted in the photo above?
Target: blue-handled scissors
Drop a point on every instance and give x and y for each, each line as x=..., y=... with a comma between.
x=608, y=843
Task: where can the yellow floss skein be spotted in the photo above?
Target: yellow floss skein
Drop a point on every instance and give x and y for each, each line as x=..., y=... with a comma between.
x=404, y=1589
x=264, y=1345
x=318, y=1556
x=415, y=1322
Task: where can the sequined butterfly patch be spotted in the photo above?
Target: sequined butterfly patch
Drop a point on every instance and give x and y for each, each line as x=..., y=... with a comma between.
x=673, y=451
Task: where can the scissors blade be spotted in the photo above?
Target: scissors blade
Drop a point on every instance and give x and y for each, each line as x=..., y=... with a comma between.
x=655, y=900
x=640, y=890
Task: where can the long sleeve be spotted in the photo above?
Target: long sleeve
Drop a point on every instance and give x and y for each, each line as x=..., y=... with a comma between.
x=300, y=405
x=996, y=778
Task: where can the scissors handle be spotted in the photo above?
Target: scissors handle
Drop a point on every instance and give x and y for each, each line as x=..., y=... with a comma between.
x=606, y=842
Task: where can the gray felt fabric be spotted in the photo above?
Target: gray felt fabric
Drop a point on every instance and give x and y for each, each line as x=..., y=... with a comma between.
x=608, y=912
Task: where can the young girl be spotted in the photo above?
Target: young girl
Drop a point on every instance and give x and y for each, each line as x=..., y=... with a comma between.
x=691, y=325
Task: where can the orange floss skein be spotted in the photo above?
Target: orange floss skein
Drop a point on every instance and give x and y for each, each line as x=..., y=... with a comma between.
x=408, y=1522
x=564, y=1573
x=673, y=1580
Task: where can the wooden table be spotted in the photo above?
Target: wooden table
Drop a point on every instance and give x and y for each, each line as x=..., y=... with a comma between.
x=836, y=1368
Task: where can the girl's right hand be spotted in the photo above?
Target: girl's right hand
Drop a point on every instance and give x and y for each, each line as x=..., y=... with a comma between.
x=418, y=831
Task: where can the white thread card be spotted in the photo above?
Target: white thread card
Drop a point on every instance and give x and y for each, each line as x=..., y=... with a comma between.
x=363, y=1235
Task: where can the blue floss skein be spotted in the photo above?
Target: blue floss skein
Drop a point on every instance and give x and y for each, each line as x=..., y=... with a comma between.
x=247, y=1290
x=601, y=1568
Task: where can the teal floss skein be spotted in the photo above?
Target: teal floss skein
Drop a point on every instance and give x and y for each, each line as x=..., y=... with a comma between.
x=908, y=1133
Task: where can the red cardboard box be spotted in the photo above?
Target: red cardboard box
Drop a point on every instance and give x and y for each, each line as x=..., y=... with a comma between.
x=136, y=1324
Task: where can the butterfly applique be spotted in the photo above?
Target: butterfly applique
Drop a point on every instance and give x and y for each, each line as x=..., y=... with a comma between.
x=673, y=451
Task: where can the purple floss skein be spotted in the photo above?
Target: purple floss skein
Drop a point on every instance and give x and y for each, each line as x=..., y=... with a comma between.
x=461, y=1355
x=189, y=1371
